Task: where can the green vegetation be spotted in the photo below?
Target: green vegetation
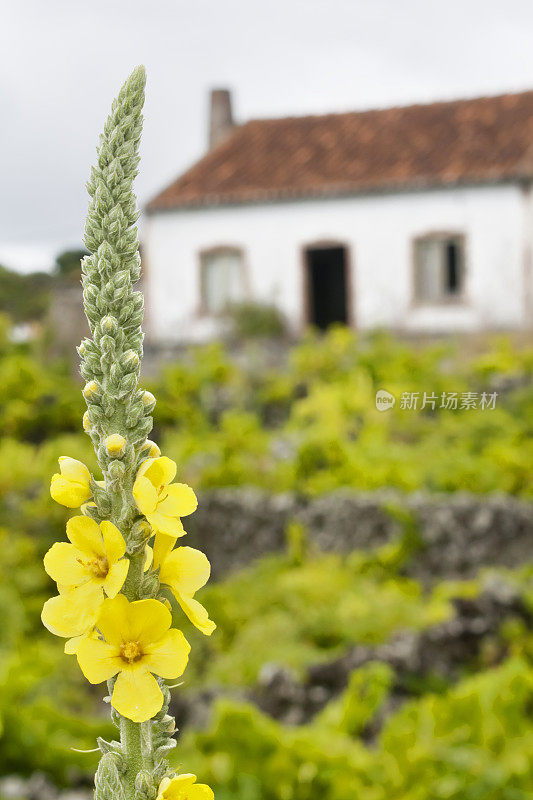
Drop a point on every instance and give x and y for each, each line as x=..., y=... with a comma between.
x=255, y=320
x=312, y=425
x=308, y=424
x=68, y=263
x=312, y=612
x=473, y=742
x=26, y=298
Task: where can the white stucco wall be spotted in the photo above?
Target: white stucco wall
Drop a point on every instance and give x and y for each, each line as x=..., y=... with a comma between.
x=379, y=232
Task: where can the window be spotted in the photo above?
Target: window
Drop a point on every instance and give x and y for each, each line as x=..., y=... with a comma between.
x=439, y=268
x=222, y=278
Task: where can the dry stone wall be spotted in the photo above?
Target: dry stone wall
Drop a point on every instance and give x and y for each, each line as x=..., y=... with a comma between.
x=458, y=533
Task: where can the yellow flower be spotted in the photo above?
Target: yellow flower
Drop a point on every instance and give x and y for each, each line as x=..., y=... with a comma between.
x=92, y=564
x=95, y=556
x=184, y=570
x=184, y=787
x=71, y=485
x=161, y=501
x=138, y=642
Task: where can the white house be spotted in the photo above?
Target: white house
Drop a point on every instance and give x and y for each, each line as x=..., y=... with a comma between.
x=417, y=219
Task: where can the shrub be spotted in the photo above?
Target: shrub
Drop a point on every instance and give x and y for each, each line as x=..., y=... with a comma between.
x=256, y=320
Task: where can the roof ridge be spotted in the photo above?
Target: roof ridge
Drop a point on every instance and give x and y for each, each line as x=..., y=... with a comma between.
x=398, y=107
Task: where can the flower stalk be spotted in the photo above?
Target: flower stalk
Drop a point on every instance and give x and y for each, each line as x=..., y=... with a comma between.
x=109, y=604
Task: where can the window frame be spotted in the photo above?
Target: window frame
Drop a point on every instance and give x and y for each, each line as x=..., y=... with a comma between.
x=220, y=250
x=458, y=298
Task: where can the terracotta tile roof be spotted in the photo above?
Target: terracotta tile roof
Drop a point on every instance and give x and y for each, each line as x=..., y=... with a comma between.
x=464, y=141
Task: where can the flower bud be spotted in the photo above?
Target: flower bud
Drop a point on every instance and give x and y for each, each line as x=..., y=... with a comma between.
x=150, y=585
x=90, y=293
x=115, y=445
x=148, y=399
x=116, y=471
x=141, y=530
x=144, y=785
x=130, y=360
x=90, y=510
x=91, y=390
x=122, y=277
x=153, y=449
x=110, y=324
x=120, y=294
x=134, y=415
x=86, y=422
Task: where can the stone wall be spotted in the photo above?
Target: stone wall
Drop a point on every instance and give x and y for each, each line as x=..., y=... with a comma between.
x=458, y=533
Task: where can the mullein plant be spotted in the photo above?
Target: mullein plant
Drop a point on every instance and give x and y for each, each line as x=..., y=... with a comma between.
x=121, y=564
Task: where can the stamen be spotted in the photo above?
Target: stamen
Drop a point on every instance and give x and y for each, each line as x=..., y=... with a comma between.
x=98, y=566
x=131, y=652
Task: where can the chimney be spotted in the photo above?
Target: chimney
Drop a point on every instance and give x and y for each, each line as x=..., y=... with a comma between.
x=220, y=116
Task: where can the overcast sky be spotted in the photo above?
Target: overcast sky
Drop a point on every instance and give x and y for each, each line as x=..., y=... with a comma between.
x=62, y=61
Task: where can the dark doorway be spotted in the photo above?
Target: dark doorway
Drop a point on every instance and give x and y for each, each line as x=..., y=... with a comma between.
x=326, y=269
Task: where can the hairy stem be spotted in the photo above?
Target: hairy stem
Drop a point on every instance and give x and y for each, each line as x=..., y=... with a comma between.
x=130, y=738
x=132, y=584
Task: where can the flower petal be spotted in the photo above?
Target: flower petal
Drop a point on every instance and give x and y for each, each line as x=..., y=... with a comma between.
x=113, y=620
x=145, y=495
x=196, y=612
x=200, y=791
x=168, y=656
x=148, y=620
x=63, y=562
x=71, y=645
x=98, y=660
x=173, y=788
x=136, y=695
x=185, y=569
x=149, y=557
x=84, y=533
x=67, y=493
x=163, y=545
x=184, y=787
x=162, y=786
x=180, y=501
x=114, y=543
x=170, y=526
x=144, y=466
x=116, y=577
x=73, y=613
x=159, y=471
x=74, y=470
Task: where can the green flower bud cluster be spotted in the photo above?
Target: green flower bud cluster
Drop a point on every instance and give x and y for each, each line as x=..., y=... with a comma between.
x=118, y=417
